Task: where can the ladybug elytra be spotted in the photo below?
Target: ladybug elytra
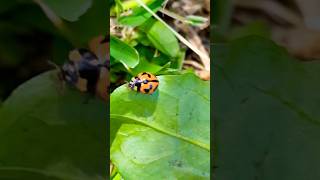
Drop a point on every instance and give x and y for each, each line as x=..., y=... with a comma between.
x=144, y=82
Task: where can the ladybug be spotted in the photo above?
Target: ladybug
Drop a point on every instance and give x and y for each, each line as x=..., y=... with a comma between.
x=86, y=71
x=144, y=82
x=82, y=69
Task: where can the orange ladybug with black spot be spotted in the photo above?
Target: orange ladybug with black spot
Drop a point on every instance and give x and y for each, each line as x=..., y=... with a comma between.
x=88, y=69
x=144, y=82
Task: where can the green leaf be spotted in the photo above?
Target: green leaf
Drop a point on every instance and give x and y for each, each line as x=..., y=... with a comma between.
x=95, y=22
x=43, y=125
x=124, y=53
x=257, y=28
x=140, y=15
x=163, y=39
x=61, y=171
x=267, y=118
x=69, y=10
x=146, y=66
x=178, y=61
x=196, y=20
x=163, y=135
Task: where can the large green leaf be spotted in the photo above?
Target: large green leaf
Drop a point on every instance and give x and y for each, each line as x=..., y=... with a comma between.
x=44, y=127
x=164, y=135
x=267, y=118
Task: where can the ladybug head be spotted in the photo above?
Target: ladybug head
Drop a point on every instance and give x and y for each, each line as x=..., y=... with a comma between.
x=134, y=82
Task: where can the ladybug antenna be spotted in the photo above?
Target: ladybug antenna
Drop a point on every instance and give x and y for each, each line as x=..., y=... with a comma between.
x=56, y=67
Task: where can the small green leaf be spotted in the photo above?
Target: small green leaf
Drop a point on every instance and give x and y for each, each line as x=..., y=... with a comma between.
x=147, y=66
x=178, y=61
x=196, y=20
x=140, y=15
x=94, y=22
x=163, y=39
x=165, y=136
x=124, y=53
x=69, y=10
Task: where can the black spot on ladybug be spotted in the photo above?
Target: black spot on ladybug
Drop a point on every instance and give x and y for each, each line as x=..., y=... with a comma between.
x=156, y=87
x=138, y=87
x=91, y=75
x=86, y=54
x=145, y=73
x=154, y=80
x=146, y=90
x=83, y=51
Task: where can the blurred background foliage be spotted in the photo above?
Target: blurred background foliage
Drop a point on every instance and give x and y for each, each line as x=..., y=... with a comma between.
x=33, y=32
x=48, y=132
x=266, y=84
x=292, y=24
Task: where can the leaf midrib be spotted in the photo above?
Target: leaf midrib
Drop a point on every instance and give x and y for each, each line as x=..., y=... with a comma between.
x=162, y=130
